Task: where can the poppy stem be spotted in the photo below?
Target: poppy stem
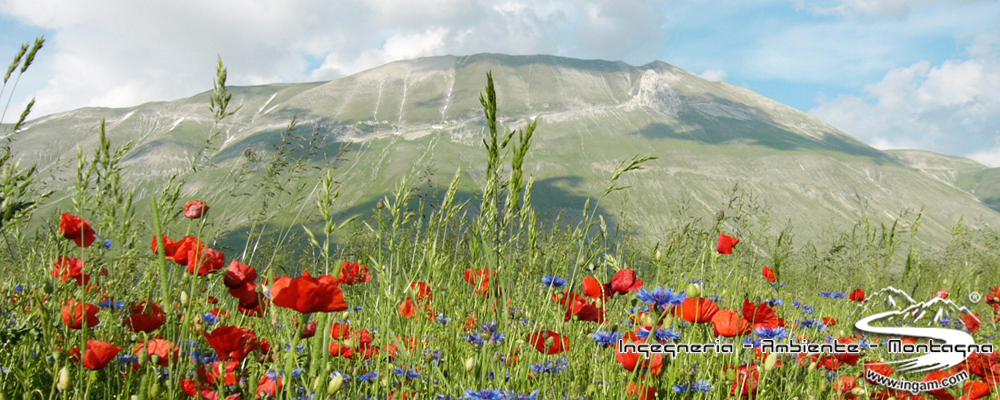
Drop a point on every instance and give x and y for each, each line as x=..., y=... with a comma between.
x=164, y=287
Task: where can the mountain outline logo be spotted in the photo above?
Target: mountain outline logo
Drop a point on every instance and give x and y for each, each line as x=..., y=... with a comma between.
x=904, y=317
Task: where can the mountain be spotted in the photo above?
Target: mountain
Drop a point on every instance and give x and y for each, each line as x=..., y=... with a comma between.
x=963, y=173
x=422, y=119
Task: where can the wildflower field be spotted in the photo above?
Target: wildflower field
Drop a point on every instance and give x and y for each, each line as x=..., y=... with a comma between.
x=448, y=299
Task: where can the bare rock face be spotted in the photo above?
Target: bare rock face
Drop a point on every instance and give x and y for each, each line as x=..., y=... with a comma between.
x=654, y=92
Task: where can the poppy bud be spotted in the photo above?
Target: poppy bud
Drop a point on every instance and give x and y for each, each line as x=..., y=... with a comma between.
x=385, y=381
x=647, y=320
x=348, y=343
x=770, y=362
x=549, y=342
x=56, y=355
x=598, y=303
x=380, y=204
x=63, y=382
x=134, y=397
x=344, y=316
x=858, y=391
x=944, y=282
x=822, y=386
x=184, y=298
x=470, y=363
x=693, y=290
x=154, y=388
x=185, y=278
x=316, y=383
x=335, y=385
x=659, y=255
x=155, y=359
x=812, y=366
x=720, y=215
x=668, y=321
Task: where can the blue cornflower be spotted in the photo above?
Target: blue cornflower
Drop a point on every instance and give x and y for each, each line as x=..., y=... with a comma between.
x=517, y=396
x=210, y=318
x=408, y=373
x=442, y=319
x=445, y=396
x=662, y=297
x=497, y=337
x=663, y=335
x=643, y=333
x=552, y=367
x=475, y=338
x=813, y=324
x=808, y=309
x=19, y=288
x=485, y=394
x=106, y=244
x=606, y=339
x=296, y=372
x=488, y=327
x=681, y=388
x=717, y=299
x=777, y=333
x=702, y=386
x=774, y=302
x=369, y=377
x=553, y=281
x=795, y=303
x=634, y=310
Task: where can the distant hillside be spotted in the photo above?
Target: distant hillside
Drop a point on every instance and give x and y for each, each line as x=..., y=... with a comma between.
x=422, y=119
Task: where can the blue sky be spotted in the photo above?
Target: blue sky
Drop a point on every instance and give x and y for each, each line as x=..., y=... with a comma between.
x=894, y=73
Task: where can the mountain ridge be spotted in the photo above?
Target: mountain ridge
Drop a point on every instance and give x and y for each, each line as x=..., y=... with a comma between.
x=413, y=116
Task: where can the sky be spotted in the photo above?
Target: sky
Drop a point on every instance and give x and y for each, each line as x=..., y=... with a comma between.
x=914, y=74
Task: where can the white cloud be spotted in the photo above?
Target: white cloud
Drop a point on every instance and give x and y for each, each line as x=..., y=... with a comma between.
x=869, y=8
x=953, y=107
x=714, y=75
x=117, y=52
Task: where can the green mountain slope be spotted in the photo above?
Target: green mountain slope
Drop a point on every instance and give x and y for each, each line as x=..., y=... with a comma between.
x=422, y=119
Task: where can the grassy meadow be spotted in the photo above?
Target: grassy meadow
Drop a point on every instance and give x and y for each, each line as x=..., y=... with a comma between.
x=444, y=298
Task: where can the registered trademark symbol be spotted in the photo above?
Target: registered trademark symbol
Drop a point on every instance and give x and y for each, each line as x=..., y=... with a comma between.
x=975, y=297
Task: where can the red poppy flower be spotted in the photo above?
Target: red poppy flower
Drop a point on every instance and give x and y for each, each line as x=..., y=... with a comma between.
x=747, y=381
x=310, y=330
x=99, y=354
x=216, y=370
x=697, y=310
x=169, y=247
x=594, y=288
x=268, y=386
x=549, y=342
x=769, y=274
x=340, y=331
x=338, y=349
x=942, y=294
x=232, y=342
x=308, y=295
x=66, y=268
x=480, y=278
x=189, y=387
x=625, y=281
x=407, y=308
x=761, y=316
x=73, y=314
x=145, y=317
x=583, y=310
x=977, y=390
x=184, y=248
x=848, y=358
x=972, y=322
x=163, y=349
x=878, y=367
x=642, y=391
x=632, y=361
x=247, y=295
x=195, y=209
x=77, y=229
x=422, y=289
x=857, y=295
x=830, y=362
x=726, y=243
x=351, y=273
x=239, y=274
x=844, y=384
x=205, y=262
x=828, y=321
x=727, y=323
x=936, y=376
